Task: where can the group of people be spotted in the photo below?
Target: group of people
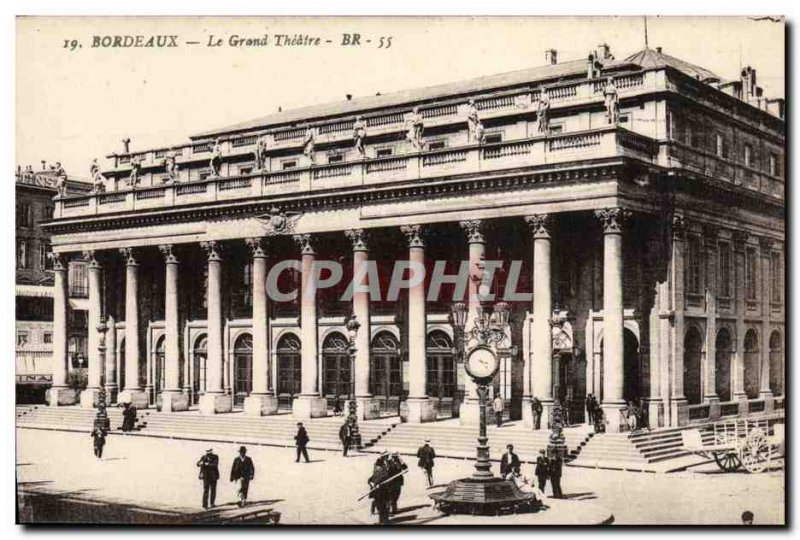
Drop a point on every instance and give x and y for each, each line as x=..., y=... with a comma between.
x=386, y=484
x=242, y=473
x=547, y=468
x=594, y=413
x=128, y=416
x=635, y=416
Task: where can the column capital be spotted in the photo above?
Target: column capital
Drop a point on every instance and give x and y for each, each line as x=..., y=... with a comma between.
x=168, y=251
x=678, y=227
x=129, y=254
x=304, y=241
x=60, y=261
x=90, y=256
x=415, y=234
x=358, y=237
x=767, y=244
x=474, y=229
x=540, y=224
x=711, y=233
x=613, y=219
x=213, y=250
x=740, y=239
x=257, y=246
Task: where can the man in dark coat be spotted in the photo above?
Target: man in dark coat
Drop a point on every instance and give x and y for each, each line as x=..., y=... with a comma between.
x=395, y=486
x=542, y=470
x=590, y=406
x=99, y=437
x=379, y=493
x=242, y=472
x=209, y=474
x=426, y=455
x=536, y=407
x=128, y=416
x=346, y=436
x=509, y=463
x=301, y=440
x=556, y=463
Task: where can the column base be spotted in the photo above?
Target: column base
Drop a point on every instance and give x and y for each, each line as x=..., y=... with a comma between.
x=769, y=400
x=469, y=413
x=309, y=407
x=138, y=398
x=680, y=412
x=89, y=398
x=714, y=409
x=419, y=410
x=655, y=413
x=612, y=416
x=744, y=404
x=527, y=412
x=112, y=392
x=215, y=403
x=174, y=401
x=260, y=405
x=60, y=396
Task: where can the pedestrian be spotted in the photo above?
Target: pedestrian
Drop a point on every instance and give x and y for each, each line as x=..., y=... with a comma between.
x=590, y=405
x=128, y=416
x=426, y=455
x=498, y=405
x=554, y=470
x=242, y=472
x=542, y=470
x=99, y=436
x=209, y=474
x=631, y=418
x=301, y=440
x=378, y=489
x=395, y=485
x=346, y=436
x=509, y=463
x=536, y=407
x=337, y=406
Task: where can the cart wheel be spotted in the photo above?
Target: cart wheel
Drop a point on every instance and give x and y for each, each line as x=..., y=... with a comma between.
x=727, y=461
x=754, y=451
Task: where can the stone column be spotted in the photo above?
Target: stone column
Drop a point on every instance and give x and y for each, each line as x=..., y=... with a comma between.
x=214, y=400
x=172, y=398
x=60, y=393
x=420, y=407
x=94, y=314
x=709, y=359
x=133, y=392
x=260, y=402
x=308, y=404
x=737, y=369
x=541, y=330
x=679, y=411
x=366, y=408
x=766, y=308
x=111, y=361
x=527, y=358
x=656, y=275
x=474, y=229
x=613, y=220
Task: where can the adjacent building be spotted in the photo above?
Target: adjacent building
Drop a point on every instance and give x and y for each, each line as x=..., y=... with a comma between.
x=645, y=197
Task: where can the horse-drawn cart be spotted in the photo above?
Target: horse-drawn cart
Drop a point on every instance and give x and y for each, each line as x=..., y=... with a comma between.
x=739, y=443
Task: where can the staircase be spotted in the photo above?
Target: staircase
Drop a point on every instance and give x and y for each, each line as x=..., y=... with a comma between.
x=450, y=439
x=277, y=430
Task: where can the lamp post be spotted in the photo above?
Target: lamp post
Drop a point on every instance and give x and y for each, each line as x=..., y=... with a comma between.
x=352, y=417
x=101, y=418
x=481, y=493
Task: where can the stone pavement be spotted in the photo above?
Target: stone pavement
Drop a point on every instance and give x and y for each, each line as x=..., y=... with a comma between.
x=161, y=475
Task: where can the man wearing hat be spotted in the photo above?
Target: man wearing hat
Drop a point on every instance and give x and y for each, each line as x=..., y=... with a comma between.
x=509, y=463
x=242, y=472
x=209, y=474
x=301, y=440
x=542, y=468
x=395, y=487
x=426, y=455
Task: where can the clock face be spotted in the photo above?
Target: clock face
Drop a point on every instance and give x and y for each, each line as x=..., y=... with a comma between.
x=482, y=363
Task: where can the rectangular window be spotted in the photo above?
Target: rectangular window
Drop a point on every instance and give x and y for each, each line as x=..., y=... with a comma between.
x=724, y=270
x=493, y=138
x=48, y=212
x=776, y=276
x=291, y=164
x=42, y=256
x=47, y=338
x=22, y=255
x=335, y=158
x=78, y=281
x=22, y=338
x=750, y=269
x=437, y=145
x=693, y=266
x=720, y=146
x=384, y=152
x=748, y=155
x=774, y=169
x=245, y=170
x=555, y=130
x=688, y=133
x=23, y=215
x=624, y=118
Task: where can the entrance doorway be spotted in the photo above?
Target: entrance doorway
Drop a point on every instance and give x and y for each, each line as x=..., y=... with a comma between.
x=692, y=360
x=289, y=370
x=386, y=374
x=337, y=368
x=441, y=372
x=722, y=365
x=200, y=356
x=242, y=368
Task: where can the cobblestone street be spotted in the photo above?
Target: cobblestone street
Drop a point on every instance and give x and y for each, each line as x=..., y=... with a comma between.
x=161, y=473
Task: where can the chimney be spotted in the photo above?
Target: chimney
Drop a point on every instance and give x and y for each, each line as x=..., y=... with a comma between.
x=590, y=73
x=658, y=50
x=349, y=96
x=551, y=57
x=604, y=52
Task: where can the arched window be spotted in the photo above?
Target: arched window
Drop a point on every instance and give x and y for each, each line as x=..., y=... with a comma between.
x=751, y=364
x=441, y=367
x=776, y=364
x=199, y=355
x=337, y=367
x=386, y=373
x=692, y=353
x=160, y=358
x=289, y=369
x=722, y=365
x=242, y=368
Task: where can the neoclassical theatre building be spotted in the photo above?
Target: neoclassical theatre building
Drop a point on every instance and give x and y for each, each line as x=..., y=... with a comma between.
x=644, y=197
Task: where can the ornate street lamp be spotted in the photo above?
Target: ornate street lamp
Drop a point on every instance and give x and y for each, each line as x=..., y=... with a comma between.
x=101, y=418
x=481, y=493
x=352, y=417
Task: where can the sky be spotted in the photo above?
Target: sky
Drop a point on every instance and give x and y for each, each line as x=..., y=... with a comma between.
x=75, y=105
